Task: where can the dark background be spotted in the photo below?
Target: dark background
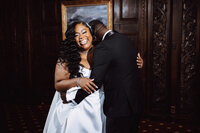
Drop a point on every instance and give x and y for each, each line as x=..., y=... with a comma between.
x=165, y=32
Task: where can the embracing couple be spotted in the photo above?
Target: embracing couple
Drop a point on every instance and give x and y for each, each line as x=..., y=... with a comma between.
x=97, y=81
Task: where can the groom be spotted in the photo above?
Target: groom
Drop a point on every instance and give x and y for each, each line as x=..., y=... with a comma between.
x=114, y=66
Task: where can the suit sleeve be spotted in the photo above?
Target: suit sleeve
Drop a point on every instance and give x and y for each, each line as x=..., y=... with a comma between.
x=101, y=62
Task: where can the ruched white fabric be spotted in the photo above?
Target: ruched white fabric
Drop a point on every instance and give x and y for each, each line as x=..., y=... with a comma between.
x=85, y=117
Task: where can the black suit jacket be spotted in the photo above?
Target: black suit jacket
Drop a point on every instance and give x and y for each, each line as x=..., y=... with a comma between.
x=114, y=66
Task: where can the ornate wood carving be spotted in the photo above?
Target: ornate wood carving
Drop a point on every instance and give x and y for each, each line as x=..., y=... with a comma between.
x=159, y=56
x=188, y=57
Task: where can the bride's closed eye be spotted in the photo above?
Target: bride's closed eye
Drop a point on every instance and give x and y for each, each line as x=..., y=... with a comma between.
x=84, y=32
x=76, y=34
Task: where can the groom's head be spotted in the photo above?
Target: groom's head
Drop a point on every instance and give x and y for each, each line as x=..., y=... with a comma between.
x=99, y=29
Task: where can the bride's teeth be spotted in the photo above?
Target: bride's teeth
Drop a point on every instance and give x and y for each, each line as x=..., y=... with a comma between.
x=83, y=41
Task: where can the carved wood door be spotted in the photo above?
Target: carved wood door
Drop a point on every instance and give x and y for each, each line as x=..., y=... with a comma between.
x=167, y=34
x=173, y=58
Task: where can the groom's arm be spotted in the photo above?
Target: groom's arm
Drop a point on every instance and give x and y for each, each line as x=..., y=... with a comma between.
x=101, y=61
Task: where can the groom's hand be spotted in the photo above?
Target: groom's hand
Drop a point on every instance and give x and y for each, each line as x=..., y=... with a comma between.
x=87, y=85
x=140, y=61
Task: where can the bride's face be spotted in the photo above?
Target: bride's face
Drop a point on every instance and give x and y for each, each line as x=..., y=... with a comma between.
x=83, y=37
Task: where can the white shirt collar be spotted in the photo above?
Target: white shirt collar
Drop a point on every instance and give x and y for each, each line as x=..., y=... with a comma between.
x=105, y=34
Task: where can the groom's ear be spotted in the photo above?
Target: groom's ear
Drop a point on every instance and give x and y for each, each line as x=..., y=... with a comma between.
x=94, y=40
x=93, y=30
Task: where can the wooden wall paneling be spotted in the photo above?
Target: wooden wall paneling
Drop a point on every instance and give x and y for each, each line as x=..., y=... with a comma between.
x=198, y=62
x=158, y=51
x=9, y=49
x=125, y=10
x=50, y=12
x=175, y=57
x=51, y=37
x=28, y=48
x=15, y=19
x=188, y=67
x=20, y=44
x=3, y=47
x=198, y=40
x=125, y=13
x=34, y=50
x=126, y=18
x=142, y=42
x=50, y=41
x=169, y=50
x=149, y=54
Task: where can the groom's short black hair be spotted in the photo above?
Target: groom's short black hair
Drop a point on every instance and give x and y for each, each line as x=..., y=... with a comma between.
x=96, y=25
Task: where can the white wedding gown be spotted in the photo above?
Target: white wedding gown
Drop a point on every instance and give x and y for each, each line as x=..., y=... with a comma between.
x=85, y=117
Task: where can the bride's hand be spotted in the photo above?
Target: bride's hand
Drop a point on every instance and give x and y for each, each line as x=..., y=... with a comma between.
x=86, y=84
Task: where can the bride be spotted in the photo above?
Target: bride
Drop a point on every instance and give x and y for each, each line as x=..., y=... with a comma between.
x=71, y=69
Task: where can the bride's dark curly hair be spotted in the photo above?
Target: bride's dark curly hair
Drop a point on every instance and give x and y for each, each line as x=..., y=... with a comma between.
x=69, y=50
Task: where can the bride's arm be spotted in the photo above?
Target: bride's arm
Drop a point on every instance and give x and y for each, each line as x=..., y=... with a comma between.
x=62, y=80
x=64, y=83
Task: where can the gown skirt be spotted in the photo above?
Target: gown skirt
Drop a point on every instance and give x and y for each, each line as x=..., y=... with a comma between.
x=85, y=117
